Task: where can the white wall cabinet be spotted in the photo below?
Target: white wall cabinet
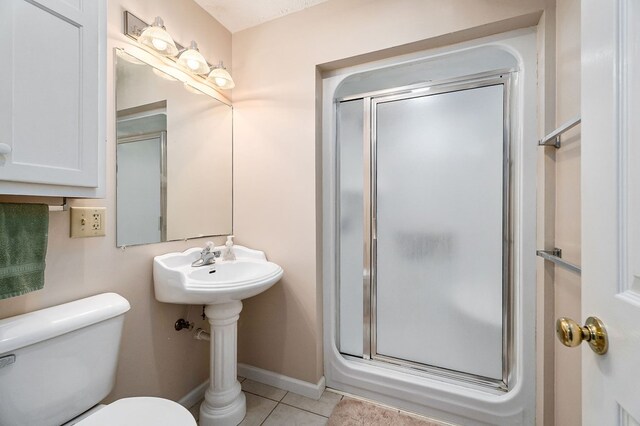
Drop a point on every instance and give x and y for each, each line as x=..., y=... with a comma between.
x=52, y=97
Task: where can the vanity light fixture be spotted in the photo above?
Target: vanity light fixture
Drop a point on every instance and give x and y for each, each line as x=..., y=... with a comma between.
x=156, y=37
x=192, y=59
x=221, y=77
x=157, y=40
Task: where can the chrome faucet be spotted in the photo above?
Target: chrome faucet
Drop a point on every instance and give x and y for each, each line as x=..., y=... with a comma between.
x=208, y=256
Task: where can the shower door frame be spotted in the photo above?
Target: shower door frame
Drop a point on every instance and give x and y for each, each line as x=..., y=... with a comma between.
x=506, y=78
x=162, y=138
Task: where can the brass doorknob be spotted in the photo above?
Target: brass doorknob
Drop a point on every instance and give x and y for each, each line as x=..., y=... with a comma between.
x=571, y=334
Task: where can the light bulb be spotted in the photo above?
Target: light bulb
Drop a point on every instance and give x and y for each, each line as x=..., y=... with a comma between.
x=221, y=77
x=159, y=44
x=192, y=59
x=157, y=38
x=193, y=64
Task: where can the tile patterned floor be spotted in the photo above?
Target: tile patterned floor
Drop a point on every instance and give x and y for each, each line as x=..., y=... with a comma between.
x=270, y=406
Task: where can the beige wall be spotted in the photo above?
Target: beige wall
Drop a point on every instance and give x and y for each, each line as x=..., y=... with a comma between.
x=276, y=145
x=545, y=236
x=155, y=360
x=559, y=379
x=567, y=209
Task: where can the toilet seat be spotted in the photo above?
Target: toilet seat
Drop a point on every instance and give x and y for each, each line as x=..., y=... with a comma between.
x=140, y=411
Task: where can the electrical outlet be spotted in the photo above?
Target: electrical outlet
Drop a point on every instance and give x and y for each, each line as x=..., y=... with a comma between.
x=87, y=221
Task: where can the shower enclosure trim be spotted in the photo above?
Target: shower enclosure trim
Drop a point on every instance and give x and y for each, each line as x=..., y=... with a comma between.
x=370, y=232
x=371, y=99
x=414, y=389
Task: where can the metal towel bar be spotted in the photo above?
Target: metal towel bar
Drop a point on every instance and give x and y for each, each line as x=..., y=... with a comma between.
x=555, y=256
x=553, y=138
x=61, y=208
x=49, y=201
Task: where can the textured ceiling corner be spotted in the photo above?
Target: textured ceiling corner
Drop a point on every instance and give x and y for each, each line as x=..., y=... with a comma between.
x=237, y=15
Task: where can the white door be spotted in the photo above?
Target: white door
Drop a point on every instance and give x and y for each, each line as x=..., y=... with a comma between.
x=140, y=193
x=611, y=208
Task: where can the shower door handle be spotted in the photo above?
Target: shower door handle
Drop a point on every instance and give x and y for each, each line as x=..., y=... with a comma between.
x=571, y=334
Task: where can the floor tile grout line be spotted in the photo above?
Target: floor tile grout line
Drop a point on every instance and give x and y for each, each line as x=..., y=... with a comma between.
x=270, y=412
x=297, y=408
x=281, y=401
x=303, y=409
x=266, y=397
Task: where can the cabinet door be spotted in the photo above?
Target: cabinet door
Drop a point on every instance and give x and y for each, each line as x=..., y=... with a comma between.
x=50, y=82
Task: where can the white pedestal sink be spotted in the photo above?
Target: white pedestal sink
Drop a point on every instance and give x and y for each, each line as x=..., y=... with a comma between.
x=221, y=287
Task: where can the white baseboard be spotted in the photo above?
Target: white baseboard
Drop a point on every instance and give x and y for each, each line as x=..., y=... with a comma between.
x=310, y=390
x=196, y=394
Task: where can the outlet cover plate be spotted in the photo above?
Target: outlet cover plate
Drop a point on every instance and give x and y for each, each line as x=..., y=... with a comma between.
x=88, y=222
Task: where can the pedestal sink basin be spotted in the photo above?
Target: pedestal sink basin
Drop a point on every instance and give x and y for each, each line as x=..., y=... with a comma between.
x=221, y=287
x=176, y=281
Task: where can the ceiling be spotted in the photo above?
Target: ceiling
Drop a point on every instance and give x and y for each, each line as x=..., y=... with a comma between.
x=237, y=15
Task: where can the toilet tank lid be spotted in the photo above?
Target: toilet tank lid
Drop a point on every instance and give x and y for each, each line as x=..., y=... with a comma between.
x=37, y=326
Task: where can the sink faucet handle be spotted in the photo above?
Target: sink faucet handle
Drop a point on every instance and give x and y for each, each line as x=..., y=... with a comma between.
x=208, y=255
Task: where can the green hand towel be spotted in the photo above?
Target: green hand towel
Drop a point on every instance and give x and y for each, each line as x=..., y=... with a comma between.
x=23, y=247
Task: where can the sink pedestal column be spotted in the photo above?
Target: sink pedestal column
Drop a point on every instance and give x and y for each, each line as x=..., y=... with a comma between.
x=224, y=403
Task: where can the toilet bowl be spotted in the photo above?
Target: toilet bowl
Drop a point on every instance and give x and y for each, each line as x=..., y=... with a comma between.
x=58, y=363
x=138, y=411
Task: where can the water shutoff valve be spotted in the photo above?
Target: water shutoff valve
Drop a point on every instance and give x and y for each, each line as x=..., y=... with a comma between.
x=182, y=324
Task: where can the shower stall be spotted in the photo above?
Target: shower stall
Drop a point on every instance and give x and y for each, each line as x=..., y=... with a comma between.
x=429, y=292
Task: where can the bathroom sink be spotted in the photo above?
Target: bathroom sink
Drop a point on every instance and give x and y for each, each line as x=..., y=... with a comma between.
x=221, y=286
x=176, y=281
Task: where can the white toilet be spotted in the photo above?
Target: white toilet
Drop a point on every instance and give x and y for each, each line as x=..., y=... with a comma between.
x=57, y=363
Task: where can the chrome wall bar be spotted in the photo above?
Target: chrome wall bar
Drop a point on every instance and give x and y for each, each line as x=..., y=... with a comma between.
x=555, y=256
x=553, y=138
x=61, y=208
x=49, y=201
x=133, y=27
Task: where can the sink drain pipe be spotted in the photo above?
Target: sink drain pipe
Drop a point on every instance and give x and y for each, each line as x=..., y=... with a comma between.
x=200, y=334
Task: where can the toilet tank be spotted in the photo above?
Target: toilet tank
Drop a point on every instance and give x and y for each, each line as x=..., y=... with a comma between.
x=58, y=362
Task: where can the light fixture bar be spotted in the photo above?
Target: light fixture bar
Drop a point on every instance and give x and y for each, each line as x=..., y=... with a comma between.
x=156, y=39
x=189, y=59
x=133, y=27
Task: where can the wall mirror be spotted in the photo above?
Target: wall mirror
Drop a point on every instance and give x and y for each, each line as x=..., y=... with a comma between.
x=174, y=157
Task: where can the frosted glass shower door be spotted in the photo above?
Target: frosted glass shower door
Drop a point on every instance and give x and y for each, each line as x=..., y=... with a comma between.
x=439, y=236
x=350, y=138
